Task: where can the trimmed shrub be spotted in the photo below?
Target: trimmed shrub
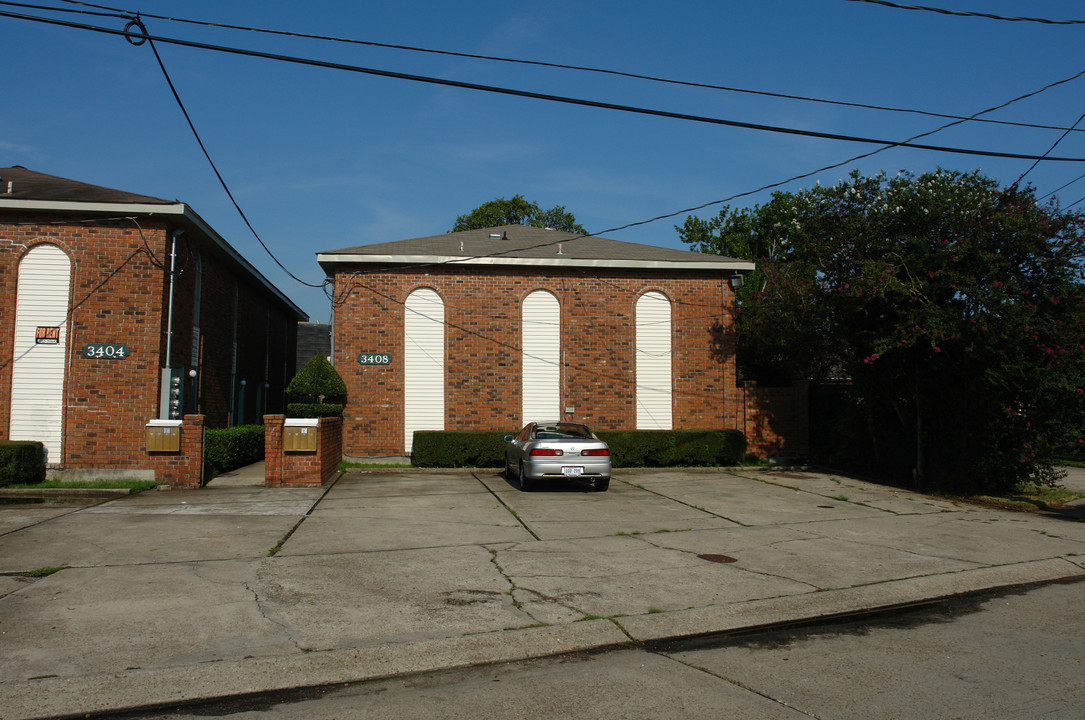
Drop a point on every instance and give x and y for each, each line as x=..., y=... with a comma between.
x=317, y=390
x=22, y=462
x=449, y=448
x=227, y=449
x=628, y=448
x=314, y=410
x=675, y=448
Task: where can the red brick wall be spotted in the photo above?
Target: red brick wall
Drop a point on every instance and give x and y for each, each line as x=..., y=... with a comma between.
x=116, y=294
x=482, y=339
x=119, y=295
x=776, y=420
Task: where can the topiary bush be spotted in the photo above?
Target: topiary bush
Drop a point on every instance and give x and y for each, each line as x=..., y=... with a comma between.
x=317, y=390
x=22, y=462
x=227, y=449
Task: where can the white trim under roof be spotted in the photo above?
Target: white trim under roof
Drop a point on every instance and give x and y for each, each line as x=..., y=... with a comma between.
x=724, y=265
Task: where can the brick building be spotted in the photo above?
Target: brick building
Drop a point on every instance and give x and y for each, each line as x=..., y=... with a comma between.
x=485, y=329
x=118, y=308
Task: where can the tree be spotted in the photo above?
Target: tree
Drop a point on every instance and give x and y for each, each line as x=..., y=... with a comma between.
x=952, y=305
x=517, y=211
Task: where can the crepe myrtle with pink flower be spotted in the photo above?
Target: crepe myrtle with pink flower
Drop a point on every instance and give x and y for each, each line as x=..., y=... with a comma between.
x=940, y=301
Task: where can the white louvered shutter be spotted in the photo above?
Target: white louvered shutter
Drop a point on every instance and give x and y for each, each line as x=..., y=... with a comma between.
x=37, y=375
x=653, y=358
x=423, y=364
x=541, y=348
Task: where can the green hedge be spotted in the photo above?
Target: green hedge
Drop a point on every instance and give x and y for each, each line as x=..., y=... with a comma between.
x=449, y=448
x=22, y=462
x=628, y=448
x=674, y=448
x=314, y=410
x=226, y=449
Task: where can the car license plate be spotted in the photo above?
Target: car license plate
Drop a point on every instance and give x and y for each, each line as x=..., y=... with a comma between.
x=572, y=471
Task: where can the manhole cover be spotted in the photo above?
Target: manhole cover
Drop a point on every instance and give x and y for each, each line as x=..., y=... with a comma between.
x=717, y=558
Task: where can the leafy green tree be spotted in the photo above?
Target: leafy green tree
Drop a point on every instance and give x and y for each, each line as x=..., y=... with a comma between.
x=517, y=211
x=952, y=305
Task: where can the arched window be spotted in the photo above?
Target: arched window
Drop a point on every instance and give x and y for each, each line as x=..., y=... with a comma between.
x=423, y=364
x=541, y=347
x=653, y=361
x=41, y=341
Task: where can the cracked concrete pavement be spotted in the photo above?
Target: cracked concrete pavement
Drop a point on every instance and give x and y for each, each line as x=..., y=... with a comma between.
x=172, y=596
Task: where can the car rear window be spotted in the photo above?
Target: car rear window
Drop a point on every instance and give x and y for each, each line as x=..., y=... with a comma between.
x=560, y=431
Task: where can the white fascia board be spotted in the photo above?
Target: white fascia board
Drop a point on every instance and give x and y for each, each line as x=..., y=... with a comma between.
x=727, y=265
x=177, y=210
x=116, y=208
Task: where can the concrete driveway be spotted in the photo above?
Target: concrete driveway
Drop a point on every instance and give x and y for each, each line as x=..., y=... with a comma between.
x=173, y=596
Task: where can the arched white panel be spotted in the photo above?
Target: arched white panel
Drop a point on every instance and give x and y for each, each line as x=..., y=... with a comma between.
x=541, y=348
x=423, y=364
x=653, y=358
x=37, y=375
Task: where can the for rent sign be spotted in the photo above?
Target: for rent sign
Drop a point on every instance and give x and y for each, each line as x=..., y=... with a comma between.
x=47, y=336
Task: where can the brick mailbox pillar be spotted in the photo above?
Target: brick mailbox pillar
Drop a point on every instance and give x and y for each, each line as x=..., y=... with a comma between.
x=175, y=451
x=301, y=452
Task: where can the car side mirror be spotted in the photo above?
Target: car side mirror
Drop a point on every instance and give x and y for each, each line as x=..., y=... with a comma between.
x=508, y=438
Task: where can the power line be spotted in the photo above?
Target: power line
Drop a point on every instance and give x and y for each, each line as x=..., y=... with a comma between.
x=123, y=14
x=1037, y=162
x=206, y=154
x=964, y=13
x=1079, y=177
x=541, y=96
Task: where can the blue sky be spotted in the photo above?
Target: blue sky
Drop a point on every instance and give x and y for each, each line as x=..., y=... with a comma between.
x=321, y=159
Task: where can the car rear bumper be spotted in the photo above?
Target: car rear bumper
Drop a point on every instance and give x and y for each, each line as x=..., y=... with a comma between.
x=552, y=468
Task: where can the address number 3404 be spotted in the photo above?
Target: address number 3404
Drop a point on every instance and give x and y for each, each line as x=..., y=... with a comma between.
x=98, y=351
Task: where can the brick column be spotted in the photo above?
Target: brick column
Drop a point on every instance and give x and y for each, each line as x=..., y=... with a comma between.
x=273, y=450
x=331, y=446
x=183, y=468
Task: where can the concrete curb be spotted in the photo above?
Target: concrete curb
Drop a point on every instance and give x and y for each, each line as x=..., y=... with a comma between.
x=174, y=686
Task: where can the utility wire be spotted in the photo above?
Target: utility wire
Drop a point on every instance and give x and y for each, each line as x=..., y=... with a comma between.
x=964, y=13
x=1037, y=162
x=118, y=13
x=1079, y=177
x=540, y=96
x=176, y=96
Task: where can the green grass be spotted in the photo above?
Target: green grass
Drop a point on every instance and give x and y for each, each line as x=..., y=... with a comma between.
x=42, y=572
x=1070, y=462
x=1029, y=498
x=134, y=485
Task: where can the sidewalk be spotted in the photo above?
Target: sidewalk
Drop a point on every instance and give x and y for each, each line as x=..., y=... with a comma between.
x=173, y=596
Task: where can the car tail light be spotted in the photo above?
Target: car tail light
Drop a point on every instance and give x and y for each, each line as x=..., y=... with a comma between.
x=545, y=451
x=595, y=451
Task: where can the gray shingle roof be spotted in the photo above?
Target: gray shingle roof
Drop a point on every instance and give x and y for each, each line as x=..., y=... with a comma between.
x=29, y=185
x=518, y=244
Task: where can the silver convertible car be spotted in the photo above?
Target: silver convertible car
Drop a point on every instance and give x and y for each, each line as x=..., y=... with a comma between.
x=557, y=451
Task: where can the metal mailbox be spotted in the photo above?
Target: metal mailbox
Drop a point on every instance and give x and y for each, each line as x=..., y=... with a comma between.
x=300, y=435
x=164, y=436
